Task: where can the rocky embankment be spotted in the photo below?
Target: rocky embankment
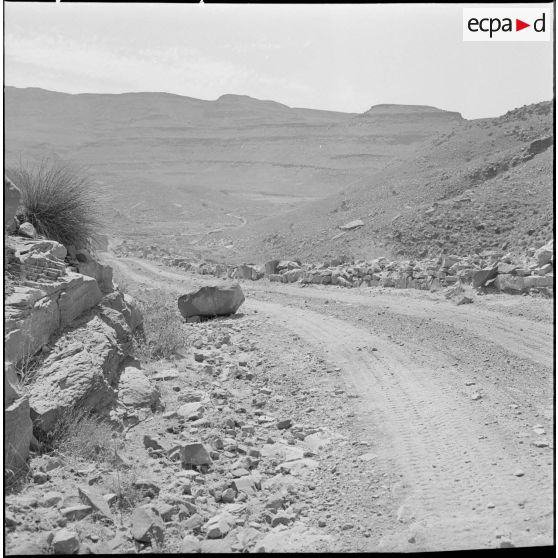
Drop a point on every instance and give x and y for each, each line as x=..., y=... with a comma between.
x=489, y=271
x=67, y=335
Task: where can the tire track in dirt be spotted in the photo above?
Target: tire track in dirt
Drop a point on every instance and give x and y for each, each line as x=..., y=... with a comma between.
x=519, y=336
x=455, y=466
x=459, y=484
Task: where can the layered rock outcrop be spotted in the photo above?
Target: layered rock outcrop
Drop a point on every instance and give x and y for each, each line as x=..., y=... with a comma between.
x=76, y=329
x=83, y=367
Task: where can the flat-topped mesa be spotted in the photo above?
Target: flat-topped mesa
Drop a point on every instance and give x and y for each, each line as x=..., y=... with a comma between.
x=406, y=111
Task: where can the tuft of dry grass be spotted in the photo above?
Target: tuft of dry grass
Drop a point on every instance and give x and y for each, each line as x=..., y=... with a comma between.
x=26, y=370
x=59, y=200
x=79, y=435
x=163, y=333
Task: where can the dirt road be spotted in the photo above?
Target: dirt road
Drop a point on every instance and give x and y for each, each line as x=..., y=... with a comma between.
x=456, y=401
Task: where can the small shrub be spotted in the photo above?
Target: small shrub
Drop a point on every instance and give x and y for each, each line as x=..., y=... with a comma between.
x=26, y=371
x=82, y=436
x=129, y=496
x=59, y=201
x=162, y=333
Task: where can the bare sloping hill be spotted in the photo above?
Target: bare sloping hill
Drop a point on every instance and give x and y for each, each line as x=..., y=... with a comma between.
x=174, y=167
x=485, y=184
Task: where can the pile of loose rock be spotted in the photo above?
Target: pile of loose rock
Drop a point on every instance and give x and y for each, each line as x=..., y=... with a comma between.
x=215, y=467
x=533, y=273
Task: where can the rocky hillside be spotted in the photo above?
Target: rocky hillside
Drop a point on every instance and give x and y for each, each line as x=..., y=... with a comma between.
x=485, y=184
x=175, y=169
x=250, y=180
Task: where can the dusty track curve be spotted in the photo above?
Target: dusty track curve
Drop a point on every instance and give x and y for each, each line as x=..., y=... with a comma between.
x=465, y=480
x=454, y=466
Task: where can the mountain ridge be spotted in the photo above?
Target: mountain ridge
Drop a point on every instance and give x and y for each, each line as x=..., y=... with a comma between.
x=176, y=168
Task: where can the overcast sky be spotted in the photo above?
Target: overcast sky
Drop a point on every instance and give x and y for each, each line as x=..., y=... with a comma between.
x=336, y=57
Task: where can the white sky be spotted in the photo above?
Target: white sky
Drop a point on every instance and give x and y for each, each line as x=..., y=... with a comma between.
x=336, y=57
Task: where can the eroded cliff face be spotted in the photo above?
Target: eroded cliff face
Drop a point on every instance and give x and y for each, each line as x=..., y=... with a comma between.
x=63, y=312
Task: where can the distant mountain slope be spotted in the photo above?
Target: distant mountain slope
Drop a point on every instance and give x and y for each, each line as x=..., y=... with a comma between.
x=485, y=184
x=174, y=166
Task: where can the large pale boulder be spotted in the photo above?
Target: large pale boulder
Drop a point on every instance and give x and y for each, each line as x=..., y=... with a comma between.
x=18, y=432
x=215, y=300
x=12, y=200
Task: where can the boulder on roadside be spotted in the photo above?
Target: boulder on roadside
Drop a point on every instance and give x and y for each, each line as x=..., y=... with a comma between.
x=481, y=276
x=209, y=301
x=545, y=253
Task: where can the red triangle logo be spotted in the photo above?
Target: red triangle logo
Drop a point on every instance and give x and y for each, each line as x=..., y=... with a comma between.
x=519, y=25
